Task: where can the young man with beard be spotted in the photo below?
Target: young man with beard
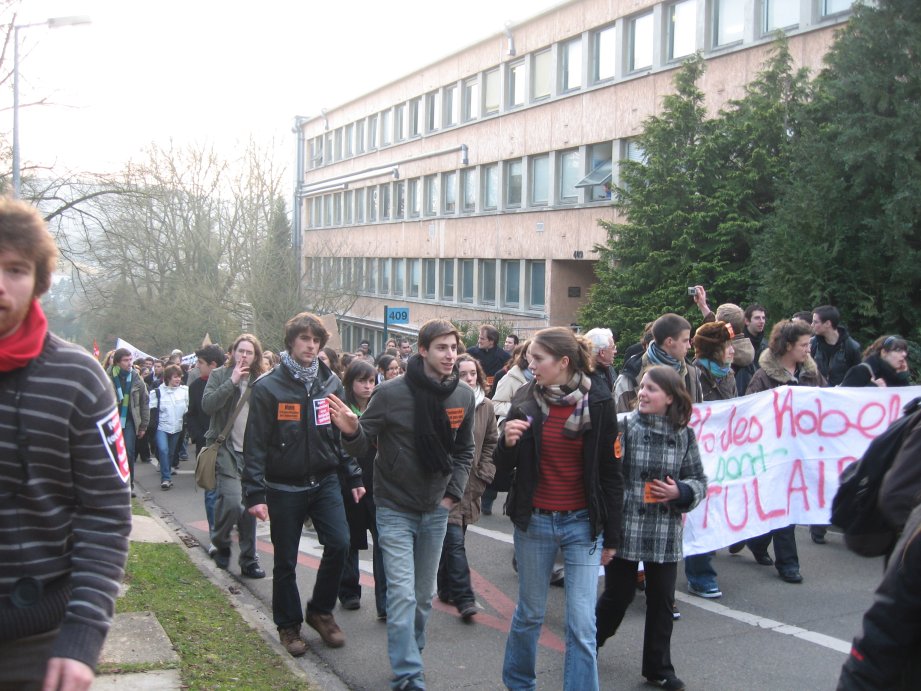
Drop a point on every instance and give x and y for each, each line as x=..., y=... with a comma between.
x=65, y=512
x=292, y=458
x=422, y=424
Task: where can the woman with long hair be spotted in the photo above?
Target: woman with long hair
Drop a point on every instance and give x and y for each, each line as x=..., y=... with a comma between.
x=567, y=494
x=885, y=363
x=453, y=570
x=360, y=380
x=663, y=478
x=330, y=358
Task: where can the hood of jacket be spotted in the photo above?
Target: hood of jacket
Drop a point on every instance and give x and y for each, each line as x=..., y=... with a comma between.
x=776, y=371
x=745, y=351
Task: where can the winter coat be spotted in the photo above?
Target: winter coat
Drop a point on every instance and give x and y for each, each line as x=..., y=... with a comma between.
x=900, y=491
x=887, y=653
x=198, y=420
x=220, y=399
x=627, y=384
x=482, y=471
x=874, y=367
x=603, y=480
x=505, y=391
x=173, y=404
x=492, y=359
x=834, y=361
x=772, y=374
x=139, y=401
x=654, y=449
x=713, y=389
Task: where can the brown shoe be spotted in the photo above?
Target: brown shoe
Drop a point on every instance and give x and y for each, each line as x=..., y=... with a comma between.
x=326, y=626
x=291, y=638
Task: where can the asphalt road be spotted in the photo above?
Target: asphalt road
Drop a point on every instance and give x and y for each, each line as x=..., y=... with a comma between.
x=762, y=634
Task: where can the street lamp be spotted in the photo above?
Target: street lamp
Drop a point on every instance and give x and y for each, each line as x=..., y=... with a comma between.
x=52, y=23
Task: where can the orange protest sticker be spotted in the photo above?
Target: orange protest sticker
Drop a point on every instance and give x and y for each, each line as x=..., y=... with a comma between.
x=289, y=411
x=455, y=417
x=648, y=498
x=619, y=446
x=489, y=382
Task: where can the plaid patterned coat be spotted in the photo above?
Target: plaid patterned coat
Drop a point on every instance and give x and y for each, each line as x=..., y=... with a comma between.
x=654, y=449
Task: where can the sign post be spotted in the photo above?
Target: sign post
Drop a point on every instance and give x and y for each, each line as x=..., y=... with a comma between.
x=394, y=315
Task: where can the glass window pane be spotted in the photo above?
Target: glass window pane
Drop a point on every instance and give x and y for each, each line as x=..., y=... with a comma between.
x=471, y=99
x=491, y=186
x=780, y=14
x=447, y=279
x=360, y=205
x=641, y=42
x=599, y=154
x=570, y=174
x=383, y=267
x=397, y=276
x=683, y=34
x=466, y=280
x=488, y=281
x=399, y=210
x=536, y=275
x=415, y=198
x=385, y=202
x=835, y=6
x=468, y=183
x=413, y=278
x=511, y=283
x=516, y=84
x=433, y=111
x=452, y=105
x=360, y=136
x=431, y=195
x=372, y=132
x=540, y=78
x=349, y=204
x=386, y=128
x=415, y=117
x=513, y=183
x=605, y=52
x=540, y=179
x=430, y=278
x=372, y=204
x=450, y=190
x=349, y=139
x=730, y=21
x=571, y=65
x=491, y=93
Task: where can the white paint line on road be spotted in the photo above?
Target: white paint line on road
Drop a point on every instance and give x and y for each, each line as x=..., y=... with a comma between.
x=820, y=639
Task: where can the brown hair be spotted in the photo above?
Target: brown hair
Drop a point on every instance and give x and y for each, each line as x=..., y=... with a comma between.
x=490, y=332
x=888, y=343
x=480, y=374
x=23, y=230
x=520, y=355
x=560, y=341
x=436, y=328
x=787, y=332
x=258, y=366
x=669, y=325
x=333, y=360
x=305, y=321
x=358, y=370
x=667, y=379
x=171, y=371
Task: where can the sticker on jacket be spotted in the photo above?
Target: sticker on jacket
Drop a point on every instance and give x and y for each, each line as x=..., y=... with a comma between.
x=321, y=411
x=110, y=428
x=289, y=411
x=455, y=417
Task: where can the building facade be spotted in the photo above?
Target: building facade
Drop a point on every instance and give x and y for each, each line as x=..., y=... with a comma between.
x=472, y=188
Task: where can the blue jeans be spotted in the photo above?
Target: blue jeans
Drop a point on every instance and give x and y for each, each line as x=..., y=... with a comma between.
x=700, y=572
x=535, y=550
x=287, y=511
x=167, y=443
x=411, y=544
x=210, y=501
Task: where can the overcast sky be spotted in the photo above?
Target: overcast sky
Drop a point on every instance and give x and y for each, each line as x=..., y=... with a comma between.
x=218, y=72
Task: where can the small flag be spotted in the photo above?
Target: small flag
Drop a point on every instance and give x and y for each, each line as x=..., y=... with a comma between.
x=95, y=349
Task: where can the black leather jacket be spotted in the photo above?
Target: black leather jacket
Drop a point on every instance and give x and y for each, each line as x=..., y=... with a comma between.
x=290, y=438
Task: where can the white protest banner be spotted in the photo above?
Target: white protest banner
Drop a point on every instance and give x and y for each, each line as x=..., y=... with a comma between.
x=774, y=458
x=135, y=353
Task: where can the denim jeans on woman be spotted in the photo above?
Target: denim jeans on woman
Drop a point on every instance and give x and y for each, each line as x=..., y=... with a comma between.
x=535, y=550
x=167, y=443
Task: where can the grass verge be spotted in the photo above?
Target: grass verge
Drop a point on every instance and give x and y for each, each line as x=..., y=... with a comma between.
x=216, y=647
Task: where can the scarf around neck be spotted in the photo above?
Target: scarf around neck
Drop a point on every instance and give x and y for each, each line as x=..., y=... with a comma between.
x=717, y=370
x=433, y=435
x=122, y=392
x=575, y=392
x=26, y=343
x=657, y=356
x=306, y=375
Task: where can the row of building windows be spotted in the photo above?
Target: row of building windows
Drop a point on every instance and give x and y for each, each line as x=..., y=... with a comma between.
x=515, y=284
x=573, y=176
x=614, y=51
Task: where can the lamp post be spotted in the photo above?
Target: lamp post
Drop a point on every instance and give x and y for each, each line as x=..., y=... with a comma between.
x=52, y=23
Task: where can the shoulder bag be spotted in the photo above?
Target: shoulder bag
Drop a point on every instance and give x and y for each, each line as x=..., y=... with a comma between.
x=206, y=463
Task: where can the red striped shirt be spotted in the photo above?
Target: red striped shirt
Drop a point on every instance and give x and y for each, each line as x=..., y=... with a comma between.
x=560, y=485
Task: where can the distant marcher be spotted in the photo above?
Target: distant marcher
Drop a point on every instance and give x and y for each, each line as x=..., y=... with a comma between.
x=329, y=357
x=885, y=363
x=171, y=398
x=491, y=357
x=133, y=403
x=832, y=347
x=388, y=367
x=209, y=359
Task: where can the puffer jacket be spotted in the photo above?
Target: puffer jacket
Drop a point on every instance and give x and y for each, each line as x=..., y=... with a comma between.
x=602, y=476
x=290, y=438
x=653, y=450
x=483, y=470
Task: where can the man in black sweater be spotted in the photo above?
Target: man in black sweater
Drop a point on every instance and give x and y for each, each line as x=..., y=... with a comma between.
x=209, y=358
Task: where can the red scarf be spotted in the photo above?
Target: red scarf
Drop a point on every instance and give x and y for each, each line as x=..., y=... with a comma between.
x=24, y=344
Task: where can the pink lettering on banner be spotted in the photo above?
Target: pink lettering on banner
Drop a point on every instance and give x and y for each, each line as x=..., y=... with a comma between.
x=870, y=419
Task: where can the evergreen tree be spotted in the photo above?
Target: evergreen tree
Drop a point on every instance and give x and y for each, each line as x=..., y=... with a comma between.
x=846, y=228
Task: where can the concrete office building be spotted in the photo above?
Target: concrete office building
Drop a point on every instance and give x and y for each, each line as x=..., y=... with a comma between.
x=471, y=189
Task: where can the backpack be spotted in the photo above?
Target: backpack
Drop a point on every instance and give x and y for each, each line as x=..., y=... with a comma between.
x=855, y=507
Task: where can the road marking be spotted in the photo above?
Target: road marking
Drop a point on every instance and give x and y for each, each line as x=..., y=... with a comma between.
x=494, y=534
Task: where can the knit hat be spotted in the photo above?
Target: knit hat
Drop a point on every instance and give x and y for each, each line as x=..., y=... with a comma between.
x=710, y=340
x=745, y=351
x=733, y=314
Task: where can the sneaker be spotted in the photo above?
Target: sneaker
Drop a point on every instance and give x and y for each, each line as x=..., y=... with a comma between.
x=467, y=610
x=252, y=570
x=710, y=593
x=166, y=485
x=222, y=558
x=326, y=626
x=641, y=581
x=290, y=637
x=676, y=615
x=672, y=683
x=351, y=603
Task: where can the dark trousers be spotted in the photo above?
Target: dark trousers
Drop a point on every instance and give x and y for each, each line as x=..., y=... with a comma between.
x=453, y=569
x=143, y=447
x=350, y=585
x=287, y=511
x=619, y=590
x=131, y=438
x=786, y=557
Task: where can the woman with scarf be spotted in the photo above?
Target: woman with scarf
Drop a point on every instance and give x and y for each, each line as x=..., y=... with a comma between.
x=453, y=569
x=664, y=479
x=885, y=363
x=171, y=398
x=567, y=494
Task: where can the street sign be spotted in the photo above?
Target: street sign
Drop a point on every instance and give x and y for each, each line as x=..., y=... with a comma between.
x=397, y=315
